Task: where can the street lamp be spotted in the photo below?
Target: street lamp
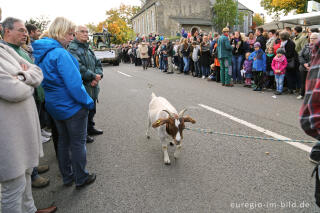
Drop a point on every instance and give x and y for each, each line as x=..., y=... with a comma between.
x=261, y=14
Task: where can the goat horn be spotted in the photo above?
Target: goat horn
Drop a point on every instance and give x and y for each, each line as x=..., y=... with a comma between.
x=181, y=113
x=169, y=113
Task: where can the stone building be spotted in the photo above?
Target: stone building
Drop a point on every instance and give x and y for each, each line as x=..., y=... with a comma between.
x=169, y=16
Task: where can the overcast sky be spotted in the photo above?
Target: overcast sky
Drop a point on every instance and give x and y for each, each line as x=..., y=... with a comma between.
x=80, y=12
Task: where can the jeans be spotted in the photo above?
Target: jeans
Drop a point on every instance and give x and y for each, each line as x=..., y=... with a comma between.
x=197, y=69
x=161, y=62
x=91, y=115
x=205, y=70
x=236, y=67
x=164, y=63
x=145, y=63
x=224, y=70
x=186, y=64
x=279, y=82
x=72, y=152
x=17, y=195
x=34, y=174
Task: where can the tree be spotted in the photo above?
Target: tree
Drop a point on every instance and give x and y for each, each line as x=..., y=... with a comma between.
x=118, y=23
x=41, y=22
x=124, y=12
x=284, y=6
x=257, y=19
x=225, y=14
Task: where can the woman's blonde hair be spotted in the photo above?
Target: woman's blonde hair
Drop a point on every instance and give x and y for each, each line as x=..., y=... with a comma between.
x=60, y=27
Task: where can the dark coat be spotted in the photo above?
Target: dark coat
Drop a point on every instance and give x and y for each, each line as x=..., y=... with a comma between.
x=263, y=41
x=235, y=50
x=305, y=57
x=89, y=65
x=204, y=54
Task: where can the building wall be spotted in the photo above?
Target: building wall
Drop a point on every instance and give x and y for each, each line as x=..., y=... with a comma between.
x=157, y=18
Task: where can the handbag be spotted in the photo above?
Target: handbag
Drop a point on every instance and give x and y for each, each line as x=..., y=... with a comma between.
x=291, y=63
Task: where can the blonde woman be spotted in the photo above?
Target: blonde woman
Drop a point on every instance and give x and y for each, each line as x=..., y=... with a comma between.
x=66, y=100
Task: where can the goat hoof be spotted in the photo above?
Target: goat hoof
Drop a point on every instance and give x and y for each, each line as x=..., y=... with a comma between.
x=167, y=163
x=171, y=144
x=148, y=137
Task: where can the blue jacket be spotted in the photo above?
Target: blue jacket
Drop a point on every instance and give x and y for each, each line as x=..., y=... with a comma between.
x=65, y=94
x=258, y=64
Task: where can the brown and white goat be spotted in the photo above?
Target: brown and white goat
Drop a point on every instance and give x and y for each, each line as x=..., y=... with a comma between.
x=169, y=123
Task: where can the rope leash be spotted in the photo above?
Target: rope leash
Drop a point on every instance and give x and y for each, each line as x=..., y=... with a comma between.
x=208, y=131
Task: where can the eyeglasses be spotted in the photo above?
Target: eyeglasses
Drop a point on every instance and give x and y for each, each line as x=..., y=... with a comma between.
x=84, y=31
x=313, y=38
x=21, y=30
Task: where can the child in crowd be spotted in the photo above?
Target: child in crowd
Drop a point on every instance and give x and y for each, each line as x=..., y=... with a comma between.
x=247, y=66
x=259, y=66
x=270, y=73
x=279, y=65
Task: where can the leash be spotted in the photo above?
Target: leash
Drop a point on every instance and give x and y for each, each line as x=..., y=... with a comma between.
x=211, y=132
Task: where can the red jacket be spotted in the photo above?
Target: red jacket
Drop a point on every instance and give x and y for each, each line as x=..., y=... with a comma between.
x=279, y=64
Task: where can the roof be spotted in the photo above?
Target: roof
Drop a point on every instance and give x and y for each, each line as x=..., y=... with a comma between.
x=144, y=8
x=242, y=7
x=304, y=19
x=276, y=25
x=192, y=21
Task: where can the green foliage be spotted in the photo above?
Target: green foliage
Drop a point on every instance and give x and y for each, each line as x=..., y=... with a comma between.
x=118, y=23
x=225, y=14
x=41, y=22
x=257, y=19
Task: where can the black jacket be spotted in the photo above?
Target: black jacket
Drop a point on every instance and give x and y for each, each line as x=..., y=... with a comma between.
x=263, y=41
x=235, y=51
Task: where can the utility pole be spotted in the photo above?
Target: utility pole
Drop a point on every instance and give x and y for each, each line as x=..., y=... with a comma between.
x=237, y=16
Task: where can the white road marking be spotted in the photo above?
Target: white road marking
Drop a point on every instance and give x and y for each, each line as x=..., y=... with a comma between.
x=257, y=128
x=125, y=74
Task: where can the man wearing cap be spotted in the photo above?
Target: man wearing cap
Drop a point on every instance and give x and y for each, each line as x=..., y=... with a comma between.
x=224, y=56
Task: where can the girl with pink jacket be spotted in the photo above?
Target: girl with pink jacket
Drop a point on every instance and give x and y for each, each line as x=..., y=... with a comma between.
x=279, y=65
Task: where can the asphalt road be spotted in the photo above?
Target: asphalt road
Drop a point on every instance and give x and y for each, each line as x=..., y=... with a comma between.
x=213, y=174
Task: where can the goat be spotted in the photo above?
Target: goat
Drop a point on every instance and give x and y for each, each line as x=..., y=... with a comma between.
x=170, y=124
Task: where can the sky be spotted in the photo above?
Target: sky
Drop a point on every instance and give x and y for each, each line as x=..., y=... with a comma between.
x=80, y=12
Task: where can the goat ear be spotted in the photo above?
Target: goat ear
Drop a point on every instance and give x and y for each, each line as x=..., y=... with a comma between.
x=189, y=119
x=159, y=122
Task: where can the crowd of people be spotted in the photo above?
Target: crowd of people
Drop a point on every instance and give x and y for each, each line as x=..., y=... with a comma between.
x=273, y=59
x=51, y=81
x=48, y=81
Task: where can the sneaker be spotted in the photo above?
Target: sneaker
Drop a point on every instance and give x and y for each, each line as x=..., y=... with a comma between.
x=44, y=139
x=40, y=182
x=91, y=178
x=203, y=77
x=43, y=169
x=277, y=93
x=300, y=97
x=45, y=133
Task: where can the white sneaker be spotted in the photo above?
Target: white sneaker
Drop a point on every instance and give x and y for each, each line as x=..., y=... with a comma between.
x=45, y=133
x=44, y=139
x=203, y=77
x=300, y=97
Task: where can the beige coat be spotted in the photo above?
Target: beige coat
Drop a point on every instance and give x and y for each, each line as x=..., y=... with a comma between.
x=143, y=49
x=20, y=144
